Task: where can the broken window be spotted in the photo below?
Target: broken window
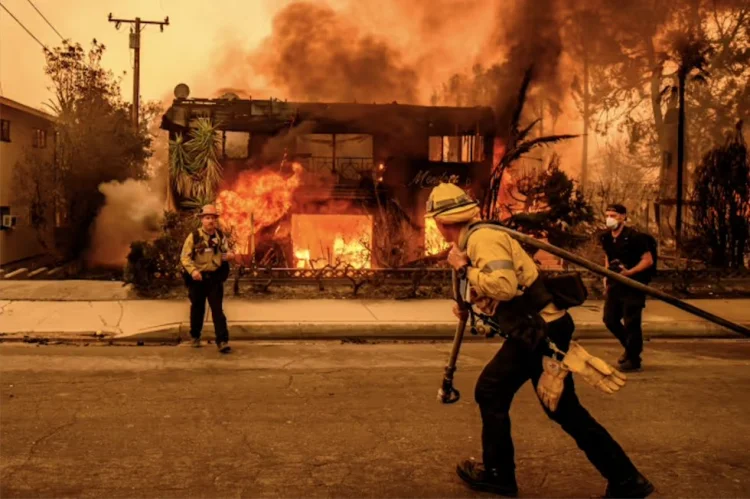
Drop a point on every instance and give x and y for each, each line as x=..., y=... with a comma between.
x=348, y=155
x=236, y=145
x=456, y=149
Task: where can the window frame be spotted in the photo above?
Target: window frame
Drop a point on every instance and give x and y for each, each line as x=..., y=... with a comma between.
x=40, y=138
x=470, y=147
x=5, y=127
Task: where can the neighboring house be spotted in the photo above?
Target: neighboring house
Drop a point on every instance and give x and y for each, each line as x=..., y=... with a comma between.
x=25, y=132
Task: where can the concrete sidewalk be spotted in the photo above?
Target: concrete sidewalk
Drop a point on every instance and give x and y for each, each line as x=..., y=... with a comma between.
x=168, y=320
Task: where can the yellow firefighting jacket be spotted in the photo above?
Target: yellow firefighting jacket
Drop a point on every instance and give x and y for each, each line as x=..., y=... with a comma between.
x=500, y=268
x=204, y=258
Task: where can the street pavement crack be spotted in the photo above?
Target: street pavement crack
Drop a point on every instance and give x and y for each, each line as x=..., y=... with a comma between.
x=37, y=442
x=101, y=319
x=122, y=313
x=2, y=307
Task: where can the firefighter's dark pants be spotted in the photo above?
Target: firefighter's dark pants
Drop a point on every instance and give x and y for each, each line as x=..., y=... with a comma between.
x=623, y=314
x=501, y=378
x=211, y=288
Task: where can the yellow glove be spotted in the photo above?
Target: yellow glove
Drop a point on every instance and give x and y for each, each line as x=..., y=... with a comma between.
x=550, y=386
x=594, y=370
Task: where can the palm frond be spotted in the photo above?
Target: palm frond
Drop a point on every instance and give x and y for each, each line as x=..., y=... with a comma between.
x=179, y=160
x=523, y=133
x=522, y=93
x=527, y=146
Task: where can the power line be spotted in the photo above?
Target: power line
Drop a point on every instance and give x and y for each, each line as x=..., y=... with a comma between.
x=50, y=24
x=24, y=27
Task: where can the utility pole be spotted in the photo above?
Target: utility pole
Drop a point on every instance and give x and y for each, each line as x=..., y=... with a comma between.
x=135, y=44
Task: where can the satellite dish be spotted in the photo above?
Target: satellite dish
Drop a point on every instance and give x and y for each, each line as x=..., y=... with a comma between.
x=181, y=91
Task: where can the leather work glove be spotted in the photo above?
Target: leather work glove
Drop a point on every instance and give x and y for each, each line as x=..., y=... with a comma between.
x=549, y=389
x=484, y=304
x=594, y=370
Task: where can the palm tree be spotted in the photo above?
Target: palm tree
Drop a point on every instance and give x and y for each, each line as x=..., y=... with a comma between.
x=690, y=51
x=515, y=147
x=195, y=169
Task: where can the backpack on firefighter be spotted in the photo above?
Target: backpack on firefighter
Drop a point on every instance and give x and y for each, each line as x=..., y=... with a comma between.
x=222, y=273
x=566, y=289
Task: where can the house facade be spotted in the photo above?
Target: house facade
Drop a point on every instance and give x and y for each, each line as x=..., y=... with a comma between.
x=371, y=156
x=25, y=133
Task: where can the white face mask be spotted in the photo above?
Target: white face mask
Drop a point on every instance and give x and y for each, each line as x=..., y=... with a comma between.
x=612, y=223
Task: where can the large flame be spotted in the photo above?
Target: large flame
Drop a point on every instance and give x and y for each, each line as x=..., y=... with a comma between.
x=434, y=242
x=328, y=239
x=266, y=195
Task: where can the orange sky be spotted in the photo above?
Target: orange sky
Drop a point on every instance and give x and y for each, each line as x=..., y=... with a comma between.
x=202, y=32
x=197, y=28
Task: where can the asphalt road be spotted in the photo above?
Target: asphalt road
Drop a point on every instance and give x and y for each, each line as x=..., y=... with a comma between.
x=324, y=419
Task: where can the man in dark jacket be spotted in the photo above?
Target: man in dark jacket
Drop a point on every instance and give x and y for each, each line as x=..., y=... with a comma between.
x=627, y=252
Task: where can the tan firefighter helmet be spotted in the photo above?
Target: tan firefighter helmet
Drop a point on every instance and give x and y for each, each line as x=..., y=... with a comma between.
x=448, y=203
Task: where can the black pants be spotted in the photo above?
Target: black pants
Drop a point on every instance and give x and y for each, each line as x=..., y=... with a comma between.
x=501, y=378
x=210, y=288
x=623, y=313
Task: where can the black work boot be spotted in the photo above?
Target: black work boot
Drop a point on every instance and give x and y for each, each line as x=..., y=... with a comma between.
x=630, y=365
x=622, y=358
x=224, y=347
x=633, y=487
x=487, y=480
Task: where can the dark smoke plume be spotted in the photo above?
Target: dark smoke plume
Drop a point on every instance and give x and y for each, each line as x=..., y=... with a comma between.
x=530, y=32
x=317, y=55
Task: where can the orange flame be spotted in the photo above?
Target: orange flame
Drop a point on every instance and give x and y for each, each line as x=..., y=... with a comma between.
x=434, y=242
x=267, y=195
x=331, y=239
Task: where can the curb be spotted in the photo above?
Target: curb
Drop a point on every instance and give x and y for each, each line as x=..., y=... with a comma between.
x=278, y=331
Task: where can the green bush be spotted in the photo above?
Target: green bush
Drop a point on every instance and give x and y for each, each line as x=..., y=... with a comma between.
x=153, y=266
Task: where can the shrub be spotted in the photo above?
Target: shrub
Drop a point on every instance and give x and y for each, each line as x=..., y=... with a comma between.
x=153, y=266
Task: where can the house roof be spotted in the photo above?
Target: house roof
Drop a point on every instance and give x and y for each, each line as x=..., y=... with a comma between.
x=386, y=119
x=26, y=109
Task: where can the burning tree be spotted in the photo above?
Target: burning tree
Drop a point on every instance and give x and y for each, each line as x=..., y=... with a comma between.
x=721, y=210
x=552, y=207
x=515, y=147
x=552, y=204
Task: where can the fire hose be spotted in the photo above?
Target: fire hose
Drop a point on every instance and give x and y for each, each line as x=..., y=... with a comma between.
x=448, y=395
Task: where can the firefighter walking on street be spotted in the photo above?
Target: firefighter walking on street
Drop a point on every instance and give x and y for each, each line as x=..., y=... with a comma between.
x=503, y=281
x=205, y=259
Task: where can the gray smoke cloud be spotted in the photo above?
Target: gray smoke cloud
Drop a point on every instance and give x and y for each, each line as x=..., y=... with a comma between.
x=317, y=54
x=133, y=211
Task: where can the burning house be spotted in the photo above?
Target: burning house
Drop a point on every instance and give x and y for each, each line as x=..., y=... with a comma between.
x=315, y=184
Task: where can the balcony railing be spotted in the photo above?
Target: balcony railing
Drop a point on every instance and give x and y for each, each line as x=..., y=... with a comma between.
x=345, y=168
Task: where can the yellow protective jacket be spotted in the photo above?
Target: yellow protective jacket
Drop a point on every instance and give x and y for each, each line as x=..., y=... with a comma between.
x=500, y=268
x=204, y=258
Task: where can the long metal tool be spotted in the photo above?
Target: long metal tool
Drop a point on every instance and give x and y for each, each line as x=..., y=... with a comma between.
x=603, y=271
x=447, y=394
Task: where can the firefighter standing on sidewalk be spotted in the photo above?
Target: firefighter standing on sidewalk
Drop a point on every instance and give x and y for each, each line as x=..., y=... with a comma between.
x=504, y=278
x=205, y=258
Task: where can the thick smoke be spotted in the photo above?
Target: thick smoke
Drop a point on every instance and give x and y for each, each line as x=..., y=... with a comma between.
x=316, y=54
x=133, y=211
x=529, y=34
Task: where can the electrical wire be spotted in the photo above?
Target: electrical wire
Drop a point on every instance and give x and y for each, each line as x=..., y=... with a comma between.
x=24, y=27
x=50, y=24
